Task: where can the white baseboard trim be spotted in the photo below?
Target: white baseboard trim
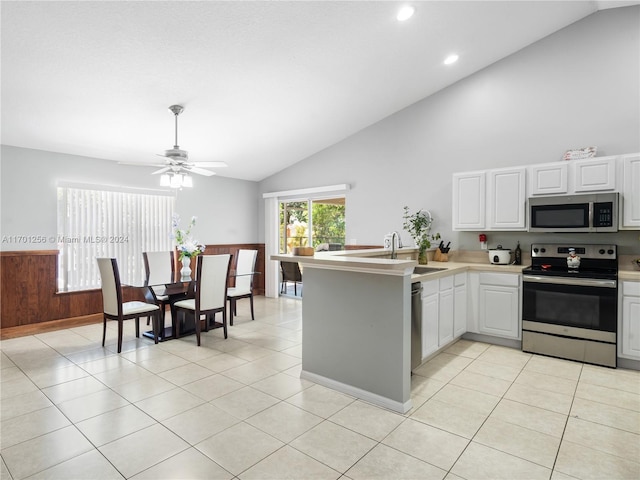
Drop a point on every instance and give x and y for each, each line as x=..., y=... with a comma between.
x=365, y=395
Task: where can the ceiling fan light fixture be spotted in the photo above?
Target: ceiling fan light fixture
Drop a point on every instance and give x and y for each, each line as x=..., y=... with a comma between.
x=405, y=13
x=187, y=180
x=165, y=180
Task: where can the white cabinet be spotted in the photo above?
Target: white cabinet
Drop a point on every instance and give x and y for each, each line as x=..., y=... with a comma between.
x=469, y=197
x=507, y=197
x=548, y=178
x=594, y=175
x=629, y=332
x=460, y=305
x=444, y=311
x=630, y=192
x=429, y=317
x=499, y=305
x=499, y=207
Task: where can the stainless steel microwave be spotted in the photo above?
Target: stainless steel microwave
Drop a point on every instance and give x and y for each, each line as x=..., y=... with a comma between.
x=574, y=213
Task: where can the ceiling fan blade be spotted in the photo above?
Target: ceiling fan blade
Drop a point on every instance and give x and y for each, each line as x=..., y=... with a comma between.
x=209, y=164
x=162, y=170
x=200, y=171
x=143, y=164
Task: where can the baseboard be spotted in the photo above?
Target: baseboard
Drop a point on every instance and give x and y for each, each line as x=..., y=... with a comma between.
x=364, y=395
x=51, y=326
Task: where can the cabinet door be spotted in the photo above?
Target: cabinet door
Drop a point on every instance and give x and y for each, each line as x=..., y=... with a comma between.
x=507, y=198
x=429, y=324
x=594, y=175
x=630, y=335
x=549, y=178
x=469, y=201
x=459, y=310
x=499, y=313
x=630, y=217
x=445, y=317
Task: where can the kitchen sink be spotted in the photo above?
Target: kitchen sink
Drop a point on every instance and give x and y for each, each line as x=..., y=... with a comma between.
x=423, y=270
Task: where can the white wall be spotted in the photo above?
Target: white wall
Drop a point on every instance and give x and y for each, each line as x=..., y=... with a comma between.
x=227, y=209
x=576, y=88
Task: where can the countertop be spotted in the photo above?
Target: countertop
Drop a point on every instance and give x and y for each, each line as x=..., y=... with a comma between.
x=369, y=260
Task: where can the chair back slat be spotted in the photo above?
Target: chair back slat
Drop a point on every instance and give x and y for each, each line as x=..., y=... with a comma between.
x=246, y=265
x=158, y=267
x=111, y=292
x=212, y=272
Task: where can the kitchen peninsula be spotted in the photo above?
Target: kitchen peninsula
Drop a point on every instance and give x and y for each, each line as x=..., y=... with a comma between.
x=356, y=314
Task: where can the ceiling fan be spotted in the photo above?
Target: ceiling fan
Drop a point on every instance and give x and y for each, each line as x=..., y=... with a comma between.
x=177, y=166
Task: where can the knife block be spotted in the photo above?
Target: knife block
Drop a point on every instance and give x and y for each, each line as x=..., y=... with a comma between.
x=438, y=256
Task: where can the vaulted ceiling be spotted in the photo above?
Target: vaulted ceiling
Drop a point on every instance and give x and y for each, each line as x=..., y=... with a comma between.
x=264, y=83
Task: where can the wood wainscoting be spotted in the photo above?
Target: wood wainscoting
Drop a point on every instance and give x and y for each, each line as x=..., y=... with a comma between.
x=30, y=302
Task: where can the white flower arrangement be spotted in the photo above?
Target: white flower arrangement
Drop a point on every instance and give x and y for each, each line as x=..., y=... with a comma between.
x=185, y=243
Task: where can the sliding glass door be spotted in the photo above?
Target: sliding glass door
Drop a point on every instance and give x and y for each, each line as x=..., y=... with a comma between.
x=318, y=223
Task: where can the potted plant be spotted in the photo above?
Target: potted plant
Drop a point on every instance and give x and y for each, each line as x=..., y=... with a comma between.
x=418, y=225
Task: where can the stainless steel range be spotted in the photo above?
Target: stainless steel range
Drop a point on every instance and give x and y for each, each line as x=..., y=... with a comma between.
x=570, y=302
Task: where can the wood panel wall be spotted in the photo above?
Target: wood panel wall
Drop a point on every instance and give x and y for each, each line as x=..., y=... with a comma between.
x=28, y=287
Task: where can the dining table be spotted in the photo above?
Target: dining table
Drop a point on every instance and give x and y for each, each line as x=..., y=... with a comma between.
x=177, y=288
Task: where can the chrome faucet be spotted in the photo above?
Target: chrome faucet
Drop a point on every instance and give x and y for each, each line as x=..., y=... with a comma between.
x=395, y=235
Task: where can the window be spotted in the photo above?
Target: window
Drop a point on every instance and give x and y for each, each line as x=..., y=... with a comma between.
x=325, y=225
x=107, y=222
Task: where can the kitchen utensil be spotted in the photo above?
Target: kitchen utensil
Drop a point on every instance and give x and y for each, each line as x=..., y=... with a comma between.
x=500, y=256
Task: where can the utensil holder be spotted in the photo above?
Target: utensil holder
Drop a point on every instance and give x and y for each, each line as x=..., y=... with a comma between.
x=438, y=256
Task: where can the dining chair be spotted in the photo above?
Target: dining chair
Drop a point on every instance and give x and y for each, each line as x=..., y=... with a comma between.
x=245, y=268
x=159, y=269
x=115, y=309
x=210, y=293
x=290, y=273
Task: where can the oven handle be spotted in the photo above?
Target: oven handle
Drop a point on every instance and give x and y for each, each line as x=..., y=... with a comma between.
x=581, y=282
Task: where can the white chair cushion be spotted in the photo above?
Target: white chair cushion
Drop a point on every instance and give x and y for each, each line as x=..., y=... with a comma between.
x=236, y=292
x=189, y=304
x=130, y=308
x=163, y=298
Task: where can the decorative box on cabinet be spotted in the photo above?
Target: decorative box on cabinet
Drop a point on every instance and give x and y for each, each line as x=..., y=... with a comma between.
x=548, y=178
x=629, y=334
x=594, y=175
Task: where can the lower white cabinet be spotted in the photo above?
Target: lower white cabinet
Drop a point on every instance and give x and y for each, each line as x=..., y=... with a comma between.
x=444, y=309
x=499, y=305
x=629, y=331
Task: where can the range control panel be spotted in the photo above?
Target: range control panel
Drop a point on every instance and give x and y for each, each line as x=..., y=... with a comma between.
x=554, y=250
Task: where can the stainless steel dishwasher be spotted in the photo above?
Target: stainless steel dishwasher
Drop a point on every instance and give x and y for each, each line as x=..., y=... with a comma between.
x=416, y=324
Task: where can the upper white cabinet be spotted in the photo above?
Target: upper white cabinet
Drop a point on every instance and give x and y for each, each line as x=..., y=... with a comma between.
x=469, y=200
x=507, y=198
x=501, y=206
x=630, y=192
x=594, y=174
x=548, y=178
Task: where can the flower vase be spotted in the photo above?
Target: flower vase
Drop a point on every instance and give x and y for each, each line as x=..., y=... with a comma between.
x=422, y=256
x=185, y=271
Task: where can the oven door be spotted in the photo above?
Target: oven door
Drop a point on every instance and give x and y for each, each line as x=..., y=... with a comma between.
x=580, y=303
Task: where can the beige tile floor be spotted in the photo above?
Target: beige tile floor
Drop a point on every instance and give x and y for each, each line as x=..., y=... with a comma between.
x=237, y=409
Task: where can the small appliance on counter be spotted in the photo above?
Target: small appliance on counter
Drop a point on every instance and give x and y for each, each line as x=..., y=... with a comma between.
x=500, y=256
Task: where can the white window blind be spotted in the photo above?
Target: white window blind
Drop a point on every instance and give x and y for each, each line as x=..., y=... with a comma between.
x=96, y=223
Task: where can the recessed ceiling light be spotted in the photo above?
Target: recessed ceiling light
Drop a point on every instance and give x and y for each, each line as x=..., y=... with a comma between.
x=453, y=58
x=405, y=13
